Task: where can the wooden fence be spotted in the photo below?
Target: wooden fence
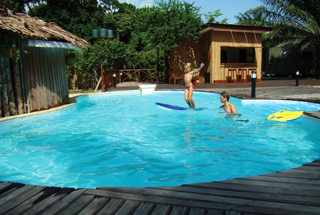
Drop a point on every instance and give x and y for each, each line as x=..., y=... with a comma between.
x=111, y=77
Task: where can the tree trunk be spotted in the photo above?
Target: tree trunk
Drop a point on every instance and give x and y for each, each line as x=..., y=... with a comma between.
x=11, y=98
x=4, y=94
x=16, y=80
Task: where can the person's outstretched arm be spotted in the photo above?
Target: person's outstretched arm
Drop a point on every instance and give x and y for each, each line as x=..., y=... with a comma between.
x=195, y=71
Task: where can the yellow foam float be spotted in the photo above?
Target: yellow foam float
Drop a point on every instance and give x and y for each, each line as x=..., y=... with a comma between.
x=284, y=115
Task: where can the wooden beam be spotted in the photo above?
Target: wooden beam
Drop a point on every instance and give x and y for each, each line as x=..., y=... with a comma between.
x=95, y=90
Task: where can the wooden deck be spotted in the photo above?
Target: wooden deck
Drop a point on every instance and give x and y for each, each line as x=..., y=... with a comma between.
x=294, y=191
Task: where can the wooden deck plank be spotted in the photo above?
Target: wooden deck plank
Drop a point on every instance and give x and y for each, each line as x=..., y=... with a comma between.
x=65, y=202
x=4, y=186
x=272, y=184
x=257, y=189
x=283, y=180
x=161, y=209
x=312, y=164
x=197, y=211
x=8, y=187
x=21, y=198
x=77, y=205
x=203, y=201
x=301, y=171
x=296, y=199
x=34, y=200
x=95, y=206
x=314, y=168
x=177, y=210
x=8, y=191
x=127, y=208
x=232, y=213
x=215, y=212
x=16, y=193
x=48, y=202
x=294, y=175
x=144, y=208
x=111, y=207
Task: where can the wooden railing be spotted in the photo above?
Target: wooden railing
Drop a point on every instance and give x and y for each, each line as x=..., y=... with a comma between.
x=139, y=75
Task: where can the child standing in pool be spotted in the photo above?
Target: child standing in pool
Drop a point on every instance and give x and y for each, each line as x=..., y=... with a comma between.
x=228, y=107
x=189, y=73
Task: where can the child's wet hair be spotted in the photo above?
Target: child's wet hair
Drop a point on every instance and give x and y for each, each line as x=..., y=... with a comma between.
x=188, y=65
x=225, y=94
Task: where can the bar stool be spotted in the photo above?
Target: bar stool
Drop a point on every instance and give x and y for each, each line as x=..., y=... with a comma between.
x=240, y=75
x=231, y=71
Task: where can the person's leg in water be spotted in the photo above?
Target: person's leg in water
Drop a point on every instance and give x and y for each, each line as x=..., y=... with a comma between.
x=188, y=96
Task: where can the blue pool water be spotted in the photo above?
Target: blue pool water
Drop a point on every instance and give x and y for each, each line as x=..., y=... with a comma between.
x=124, y=139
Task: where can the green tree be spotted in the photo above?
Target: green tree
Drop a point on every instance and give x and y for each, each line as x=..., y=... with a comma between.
x=173, y=22
x=253, y=17
x=15, y=6
x=170, y=24
x=76, y=16
x=111, y=6
x=104, y=53
x=294, y=20
x=211, y=17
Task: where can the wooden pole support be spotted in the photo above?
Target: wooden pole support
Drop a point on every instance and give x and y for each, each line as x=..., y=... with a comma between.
x=95, y=90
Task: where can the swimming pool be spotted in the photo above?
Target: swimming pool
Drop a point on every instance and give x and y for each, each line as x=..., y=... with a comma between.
x=124, y=139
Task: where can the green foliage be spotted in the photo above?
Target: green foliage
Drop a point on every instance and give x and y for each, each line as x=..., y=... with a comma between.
x=253, y=17
x=171, y=23
x=80, y=91
x=76, y=16
x=292, y=20
x=105, y=53
x=15, y=5
x=297, y=20
x=145, y=34
x=211, y=17
x=110, y=5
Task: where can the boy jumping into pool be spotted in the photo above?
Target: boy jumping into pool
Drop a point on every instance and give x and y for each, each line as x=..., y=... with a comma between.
x=228, y=107
x=189, y=73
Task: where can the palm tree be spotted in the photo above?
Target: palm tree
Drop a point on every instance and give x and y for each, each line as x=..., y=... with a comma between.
x=292, y=20
x=253, y=17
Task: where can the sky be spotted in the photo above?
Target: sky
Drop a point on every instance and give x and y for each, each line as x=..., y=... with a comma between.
x=228, y=8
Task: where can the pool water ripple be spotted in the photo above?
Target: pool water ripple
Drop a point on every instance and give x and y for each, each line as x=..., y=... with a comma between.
x=124, y=139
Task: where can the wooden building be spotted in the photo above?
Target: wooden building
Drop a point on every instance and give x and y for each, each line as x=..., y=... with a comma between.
x=230, y=53
x=32, y=64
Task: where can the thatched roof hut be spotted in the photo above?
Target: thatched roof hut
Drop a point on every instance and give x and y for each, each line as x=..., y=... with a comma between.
x=32, y=63
x=35, y=28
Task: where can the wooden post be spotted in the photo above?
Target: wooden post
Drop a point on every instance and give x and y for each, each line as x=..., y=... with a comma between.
x=102, y=80
x=95, y=90
x=158, y=63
